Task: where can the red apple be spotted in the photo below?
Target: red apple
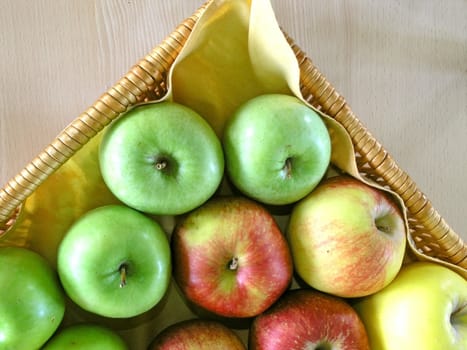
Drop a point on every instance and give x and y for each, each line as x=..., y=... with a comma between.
x=347, y=238
x=311, y=320
x=197, y=334
x=230, y=257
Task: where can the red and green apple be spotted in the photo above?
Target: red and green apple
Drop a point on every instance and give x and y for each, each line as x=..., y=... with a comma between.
x=197, y=334
x=347, y=238
x=230, y=257
x=311, y=320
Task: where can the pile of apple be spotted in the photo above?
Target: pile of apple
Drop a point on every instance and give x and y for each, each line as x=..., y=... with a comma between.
x=329, y=276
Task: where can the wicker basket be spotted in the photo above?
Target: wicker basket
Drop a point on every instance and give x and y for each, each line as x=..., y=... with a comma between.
x=430, y=237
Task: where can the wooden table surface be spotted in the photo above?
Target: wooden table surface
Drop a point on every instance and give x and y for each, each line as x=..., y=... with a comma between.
x=401, y=65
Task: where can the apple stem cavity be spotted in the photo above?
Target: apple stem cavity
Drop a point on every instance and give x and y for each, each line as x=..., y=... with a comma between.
x=233, y=264
x=384, y=224
x=459, y=316
x=324, y=346
x=123, y=269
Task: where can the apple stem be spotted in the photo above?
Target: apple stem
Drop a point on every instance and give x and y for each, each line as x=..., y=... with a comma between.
x=161, y=164
x=123, y=270
x=233, y=264
x=288, y=168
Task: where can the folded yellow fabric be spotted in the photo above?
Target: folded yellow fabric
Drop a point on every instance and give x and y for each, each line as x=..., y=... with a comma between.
x=236, y=52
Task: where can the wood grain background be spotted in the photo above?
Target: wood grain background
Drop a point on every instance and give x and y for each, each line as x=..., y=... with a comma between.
x=401, y=65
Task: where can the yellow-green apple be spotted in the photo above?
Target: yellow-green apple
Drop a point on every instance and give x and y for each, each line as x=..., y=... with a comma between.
x=347, y=238
x=425, y=307
x=86, y=337
x=277, y=149
x=230, y=257
x=308, y=319
x=161, y=158
x=32, y=304
x=197, y=334
x=115, y=262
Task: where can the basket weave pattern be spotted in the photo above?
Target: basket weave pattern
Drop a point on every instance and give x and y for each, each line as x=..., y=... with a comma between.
x=147, y=81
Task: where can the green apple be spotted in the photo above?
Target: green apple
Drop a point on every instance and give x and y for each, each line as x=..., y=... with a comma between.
x=32, y=304
x=161, y=158
x=115, y=262
x=277, y=149
x=347, y=238
x=86, y=337
x=425, y=307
